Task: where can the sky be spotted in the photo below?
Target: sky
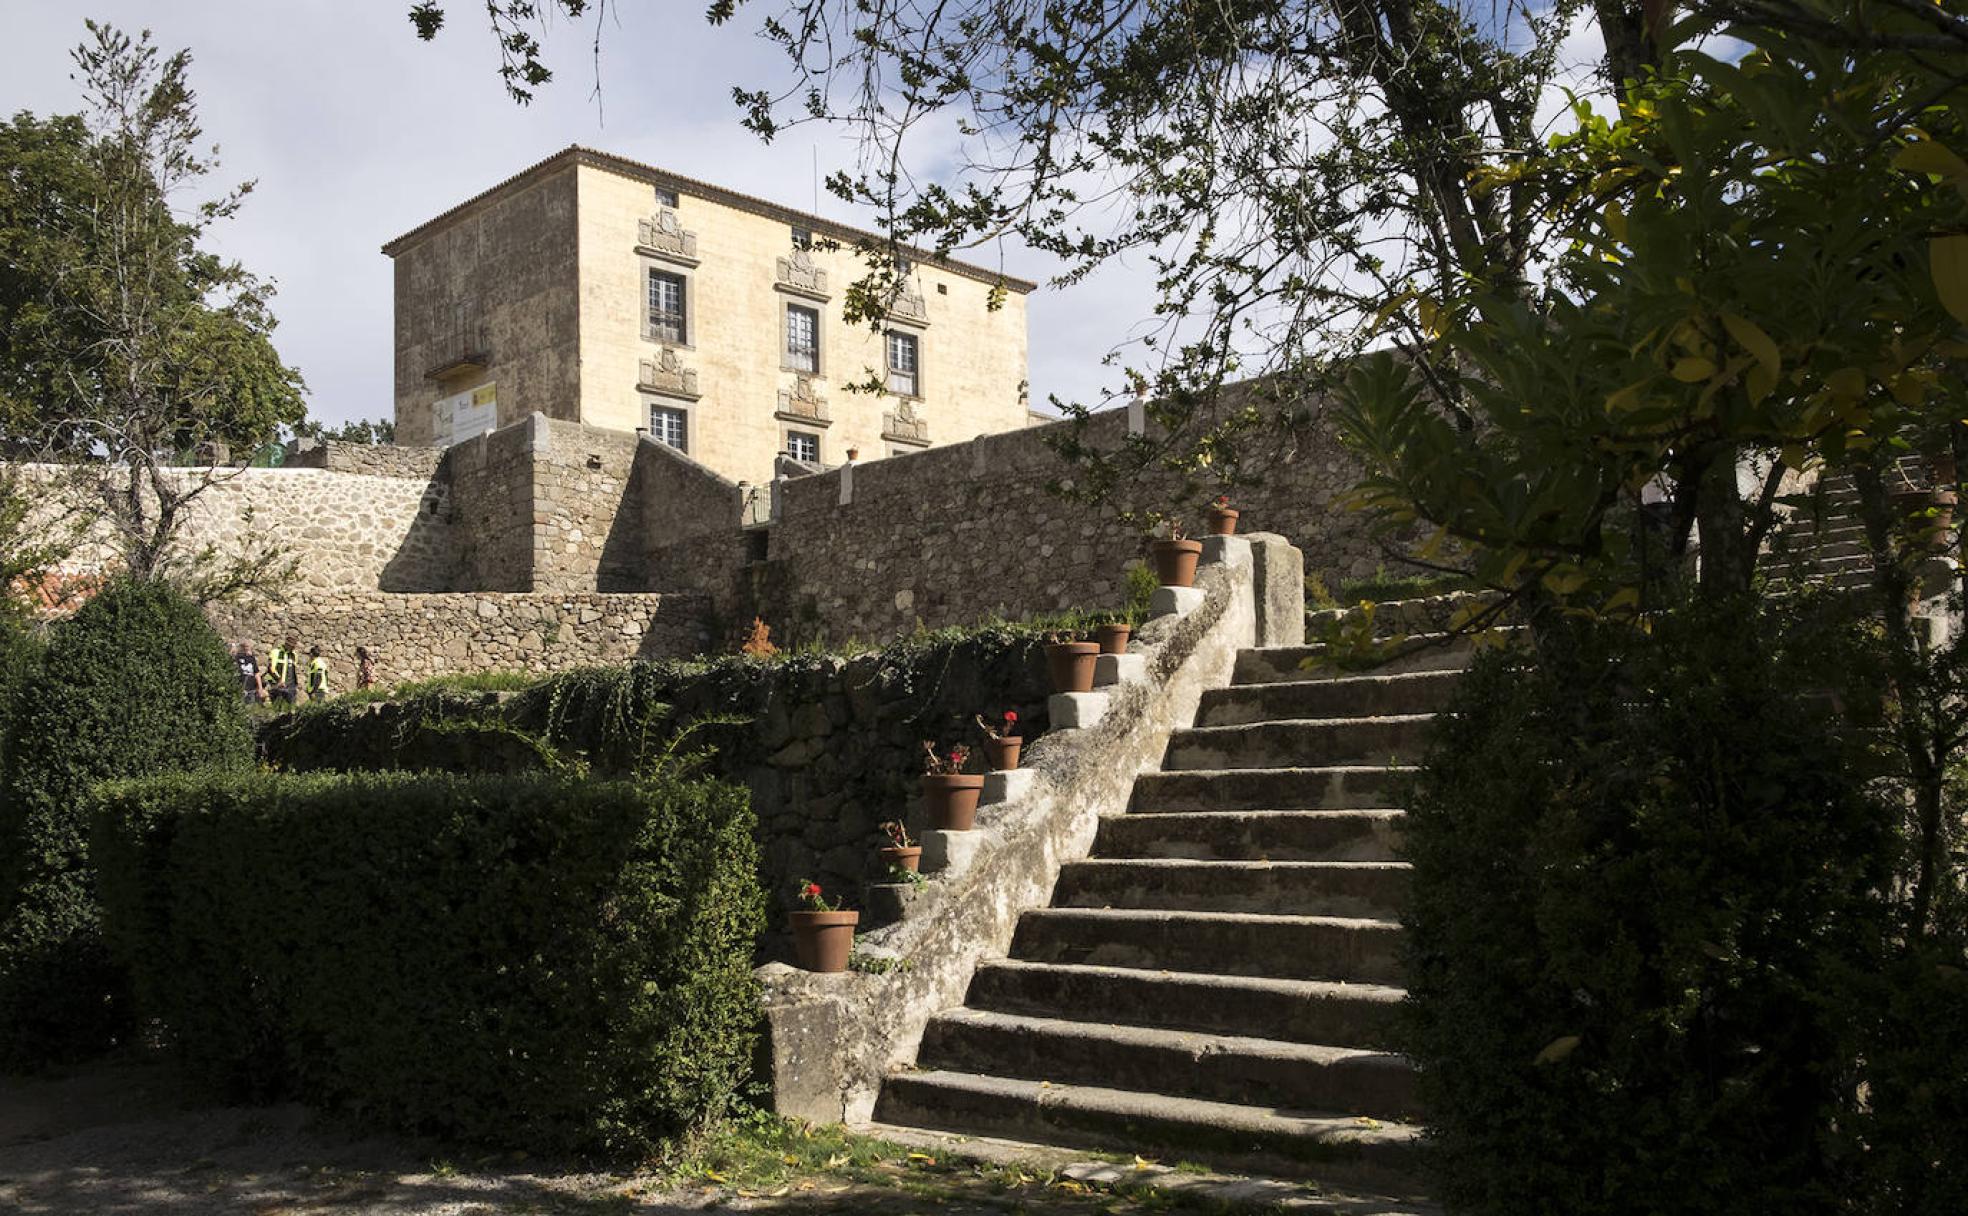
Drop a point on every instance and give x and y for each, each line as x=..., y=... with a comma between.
x=356, y=132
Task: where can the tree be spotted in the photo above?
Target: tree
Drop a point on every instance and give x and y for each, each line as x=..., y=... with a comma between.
x=132, y=357
x=135, y=683
x=1287, y=167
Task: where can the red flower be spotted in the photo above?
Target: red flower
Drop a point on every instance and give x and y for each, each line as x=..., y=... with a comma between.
x=812, y=890
x=1011, y=715
x=1222, y=500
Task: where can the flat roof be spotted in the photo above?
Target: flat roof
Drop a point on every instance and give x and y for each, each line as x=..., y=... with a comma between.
x=575, y=154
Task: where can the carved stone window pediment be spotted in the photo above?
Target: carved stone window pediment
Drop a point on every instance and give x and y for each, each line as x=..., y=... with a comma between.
x=666, y=374
x=663, y=234
x=803, y=403
x=909, y=307
x=904, y=425
x=798, y=273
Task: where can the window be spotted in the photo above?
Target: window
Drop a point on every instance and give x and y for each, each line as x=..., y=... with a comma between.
x=802, y=446
x=668, y=425
x=665, y=196
x=802, y=338
x=903, y=266
x=667, y=322
x=902, y=365
x=802, y=237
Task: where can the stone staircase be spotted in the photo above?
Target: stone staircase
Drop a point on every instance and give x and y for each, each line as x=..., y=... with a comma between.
x=1217, y=981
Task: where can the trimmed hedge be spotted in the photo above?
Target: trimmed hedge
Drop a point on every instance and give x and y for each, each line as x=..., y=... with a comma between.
x=1645, y=867
x=135, y=683
x=525, y=961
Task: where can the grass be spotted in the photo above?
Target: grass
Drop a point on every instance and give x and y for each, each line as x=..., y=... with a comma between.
x=760, y=1155
x=1381, y=587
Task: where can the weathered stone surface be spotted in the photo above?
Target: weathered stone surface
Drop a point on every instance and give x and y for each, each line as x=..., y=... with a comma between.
x=415, y=637
x=969, y=909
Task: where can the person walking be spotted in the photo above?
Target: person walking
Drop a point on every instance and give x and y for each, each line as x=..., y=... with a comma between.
x=365, y=671
x=284, y=664
x=317, y=675
x=251, y=686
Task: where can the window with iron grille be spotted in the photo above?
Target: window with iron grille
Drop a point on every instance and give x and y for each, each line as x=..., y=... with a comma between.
x=902, y=364
x=667, y=321
x=802, y=237
x=802, y=446
x=671, y=426
x=665, y=196
x=802, y=338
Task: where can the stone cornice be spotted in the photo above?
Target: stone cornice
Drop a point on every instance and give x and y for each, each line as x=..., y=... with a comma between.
x=624, y=167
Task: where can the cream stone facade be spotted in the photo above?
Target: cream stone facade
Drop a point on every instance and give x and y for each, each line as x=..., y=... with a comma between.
x=595, y=289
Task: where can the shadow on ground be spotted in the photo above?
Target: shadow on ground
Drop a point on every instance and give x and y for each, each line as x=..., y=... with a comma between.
x=124, y=1137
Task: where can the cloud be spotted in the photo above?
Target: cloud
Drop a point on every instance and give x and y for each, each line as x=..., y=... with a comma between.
x=356, y=132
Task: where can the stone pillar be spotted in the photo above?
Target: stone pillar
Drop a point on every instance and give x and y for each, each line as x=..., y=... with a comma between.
x=1278, y=589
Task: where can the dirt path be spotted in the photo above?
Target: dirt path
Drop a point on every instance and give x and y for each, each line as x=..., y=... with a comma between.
x=120, y=1138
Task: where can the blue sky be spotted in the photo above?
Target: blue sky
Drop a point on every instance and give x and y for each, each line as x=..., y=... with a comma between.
x=356, y=132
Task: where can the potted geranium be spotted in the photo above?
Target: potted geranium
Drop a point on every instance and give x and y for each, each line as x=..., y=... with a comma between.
x=901, y=854
x=1175, y=556
x=950, y=792
x=1222, y=516
x=1070, y=662
x=823, y=931
x=1001, y=742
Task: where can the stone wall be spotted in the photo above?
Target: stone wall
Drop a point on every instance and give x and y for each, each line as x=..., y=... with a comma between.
x=491, y=480
x=376, y=459
x=489, y=297
x=347, y=531
x=829, y=747
x=415, y=637
x=955, y=534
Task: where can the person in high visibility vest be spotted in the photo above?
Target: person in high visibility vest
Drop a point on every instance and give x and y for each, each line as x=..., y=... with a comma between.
x=284, y=665
x=317, y=680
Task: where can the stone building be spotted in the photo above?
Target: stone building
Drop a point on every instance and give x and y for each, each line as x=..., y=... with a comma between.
x=593, y=289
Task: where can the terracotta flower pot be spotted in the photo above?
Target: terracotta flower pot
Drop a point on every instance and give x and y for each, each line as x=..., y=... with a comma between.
x=1175, y=561
x=952, y=800
x=1223, y=521
x=905, y=858
x=823, y=940
x=1113, y=638
x=1002, y=754
x=1072, y=665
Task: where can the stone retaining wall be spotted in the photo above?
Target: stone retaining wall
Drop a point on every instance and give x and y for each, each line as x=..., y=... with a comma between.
x=954, y=534
x=415, y=637
x=347, y=531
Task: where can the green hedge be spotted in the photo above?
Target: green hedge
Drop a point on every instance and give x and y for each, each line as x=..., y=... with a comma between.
x=1645, y=869
x=135, y=683
x=525, y=961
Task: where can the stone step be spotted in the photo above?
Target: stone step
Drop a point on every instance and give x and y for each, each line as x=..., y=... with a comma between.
x=1318, y=787
x=1298, y=1011
x=1375, y=889
x=1352, y=949
x=1335, y=1147
x=1265, y=745
x=1372, y=834
x=1182, y=1063
x=1340, y=697
x=1288, y=664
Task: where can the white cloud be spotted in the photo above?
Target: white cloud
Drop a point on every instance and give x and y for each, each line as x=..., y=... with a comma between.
x=356, y=132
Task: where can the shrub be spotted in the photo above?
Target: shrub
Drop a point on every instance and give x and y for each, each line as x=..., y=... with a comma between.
x=20, y=650
x=1642, y=864
x=525, y=961
x=136, y=682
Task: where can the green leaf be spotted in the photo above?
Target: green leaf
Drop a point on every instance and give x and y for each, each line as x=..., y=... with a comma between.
x=1750, y=336
x=1927, y=156
x=1948, y=258
x=1557, y=1049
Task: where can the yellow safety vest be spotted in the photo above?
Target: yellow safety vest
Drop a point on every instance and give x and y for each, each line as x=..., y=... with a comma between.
x=280, y=664
x=317, y=675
